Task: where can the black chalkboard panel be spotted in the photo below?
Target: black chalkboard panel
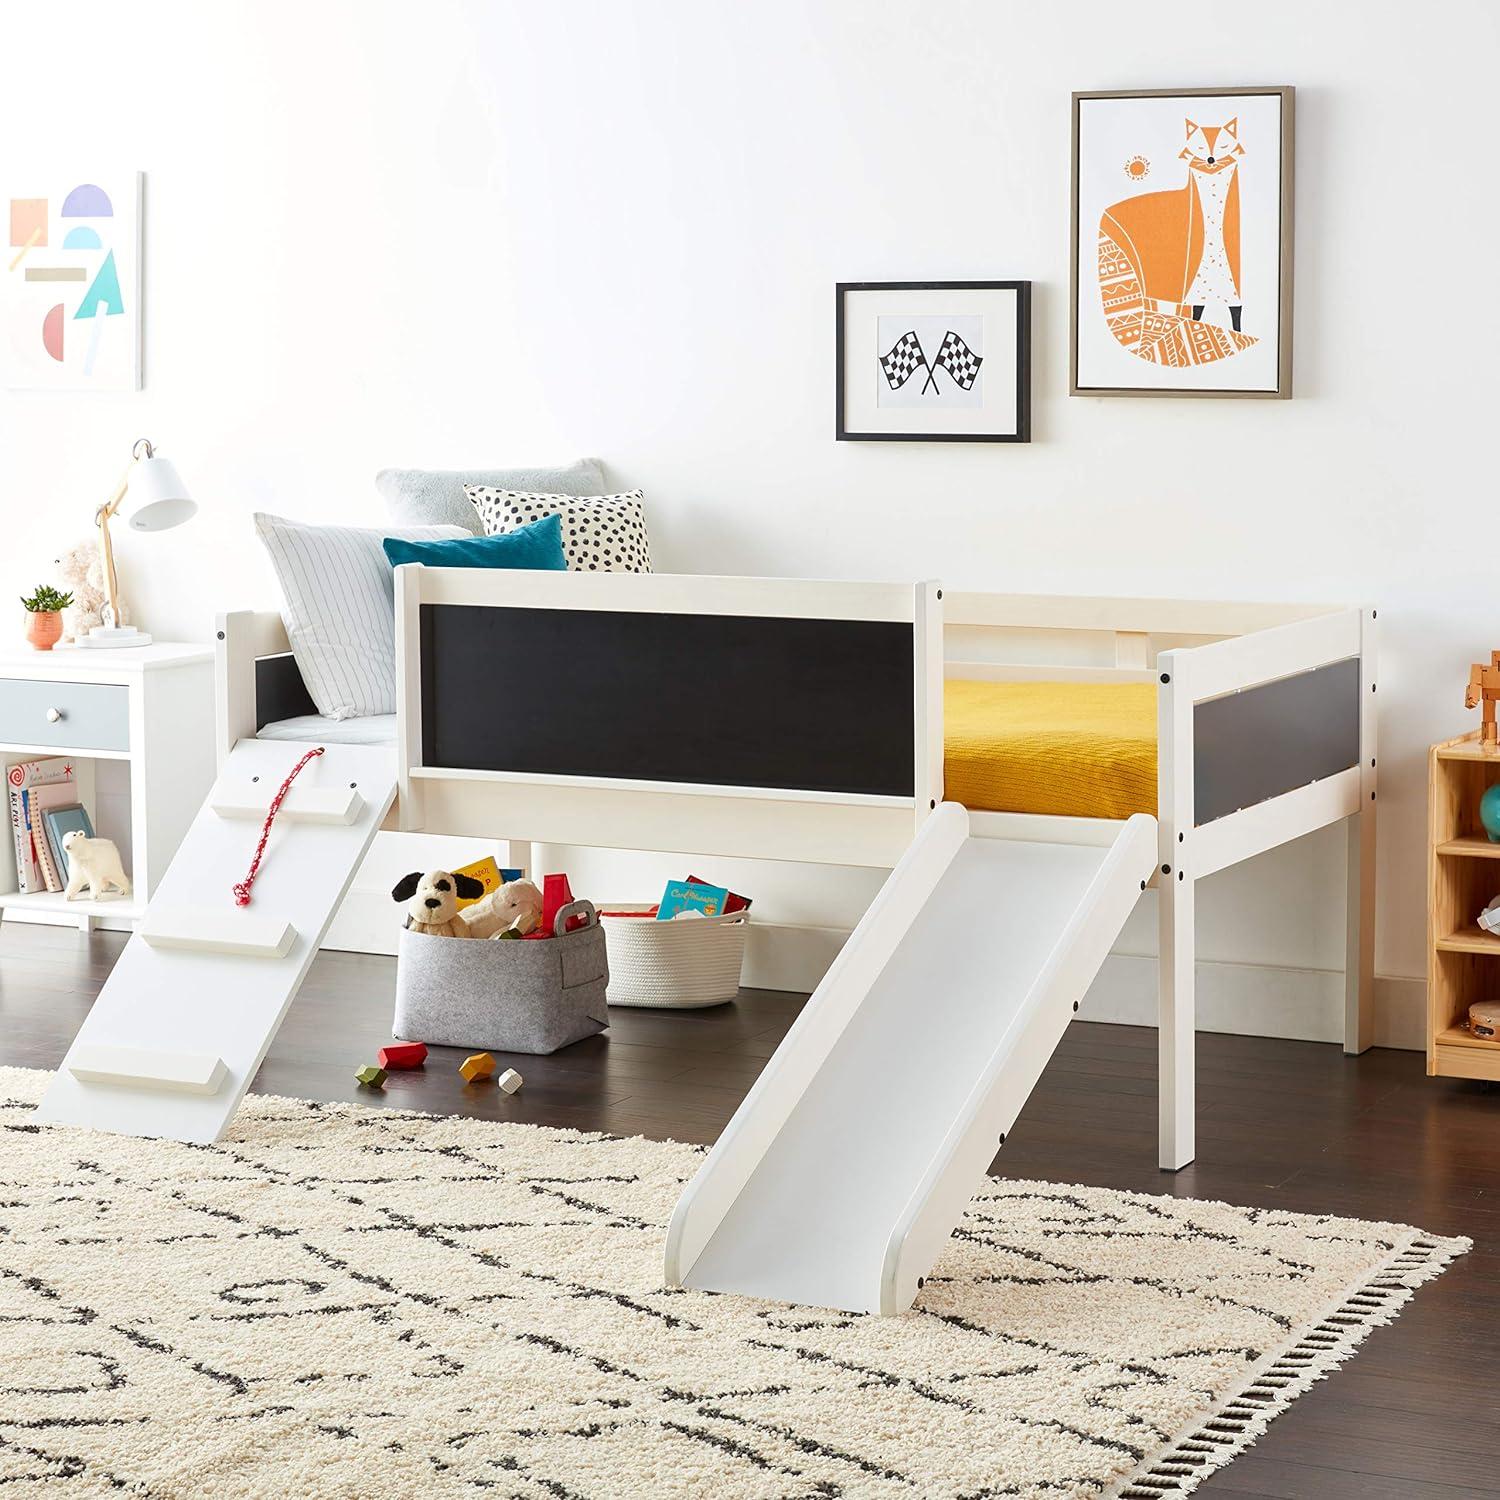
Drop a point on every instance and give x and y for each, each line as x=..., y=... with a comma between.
x=728, y=700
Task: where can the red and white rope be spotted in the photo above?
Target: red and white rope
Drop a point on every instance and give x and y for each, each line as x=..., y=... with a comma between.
x=242, y=889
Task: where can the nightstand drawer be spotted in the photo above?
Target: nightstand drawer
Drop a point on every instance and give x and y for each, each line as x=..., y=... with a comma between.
x=69, y=715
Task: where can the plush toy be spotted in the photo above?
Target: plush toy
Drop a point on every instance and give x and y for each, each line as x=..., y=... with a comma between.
x=82, y=573
x=94, y=863
x=432, y=901
x=515, y=902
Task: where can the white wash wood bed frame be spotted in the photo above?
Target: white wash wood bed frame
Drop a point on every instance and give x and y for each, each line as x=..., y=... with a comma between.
x=1281, y=680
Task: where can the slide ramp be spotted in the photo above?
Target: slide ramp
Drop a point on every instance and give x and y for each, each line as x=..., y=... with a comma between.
x=189, y=1010
x=845, y=1170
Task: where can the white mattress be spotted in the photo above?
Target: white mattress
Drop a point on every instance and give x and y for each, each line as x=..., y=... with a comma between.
x=377, y=729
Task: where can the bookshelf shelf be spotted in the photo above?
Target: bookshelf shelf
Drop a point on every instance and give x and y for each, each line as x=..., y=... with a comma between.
x=138, y=725
x=1463, y=961
x=54, y=901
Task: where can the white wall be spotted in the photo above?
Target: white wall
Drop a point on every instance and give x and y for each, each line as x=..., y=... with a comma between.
x=444, y=233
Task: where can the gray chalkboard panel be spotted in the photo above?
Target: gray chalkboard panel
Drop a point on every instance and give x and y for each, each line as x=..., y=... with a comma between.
x=727, y=700
x=1271, y=739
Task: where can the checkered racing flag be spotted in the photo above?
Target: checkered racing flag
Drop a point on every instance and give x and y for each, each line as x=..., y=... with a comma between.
x=960, y=361
x=905, y=358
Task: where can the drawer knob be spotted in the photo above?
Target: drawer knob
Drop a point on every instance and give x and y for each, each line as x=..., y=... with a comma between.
x=54, y=715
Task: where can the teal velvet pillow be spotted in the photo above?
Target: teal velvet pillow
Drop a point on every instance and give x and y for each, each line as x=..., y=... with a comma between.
x=538, y=546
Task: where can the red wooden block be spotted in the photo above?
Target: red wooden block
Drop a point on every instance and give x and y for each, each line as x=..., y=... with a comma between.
x=402, y=1055
x=556, y=893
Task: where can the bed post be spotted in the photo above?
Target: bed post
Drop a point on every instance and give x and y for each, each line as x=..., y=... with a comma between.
x=1359, y=953
x=1176, y=1012
x=927, y=695
x=409, y=695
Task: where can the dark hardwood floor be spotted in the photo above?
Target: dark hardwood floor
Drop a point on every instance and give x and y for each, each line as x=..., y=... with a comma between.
x=1292, y=1125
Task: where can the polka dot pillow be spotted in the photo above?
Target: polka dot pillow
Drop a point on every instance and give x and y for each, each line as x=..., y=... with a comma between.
x=601, y=533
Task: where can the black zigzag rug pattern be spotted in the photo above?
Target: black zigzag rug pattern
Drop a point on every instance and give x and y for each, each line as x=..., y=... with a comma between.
x=351, y=1301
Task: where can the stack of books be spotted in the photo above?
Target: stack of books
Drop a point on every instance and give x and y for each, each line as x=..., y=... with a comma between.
x=44, y=809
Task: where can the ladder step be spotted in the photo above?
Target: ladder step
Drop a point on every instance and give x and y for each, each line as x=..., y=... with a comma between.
x=146, y=1068
x=218, y=929
x=303, y=804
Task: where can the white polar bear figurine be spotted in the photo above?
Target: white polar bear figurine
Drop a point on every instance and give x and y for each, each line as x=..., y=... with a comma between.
x=94, y=863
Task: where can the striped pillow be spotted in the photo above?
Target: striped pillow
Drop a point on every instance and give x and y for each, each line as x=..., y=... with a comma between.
x=339, y=607
x=601, y=533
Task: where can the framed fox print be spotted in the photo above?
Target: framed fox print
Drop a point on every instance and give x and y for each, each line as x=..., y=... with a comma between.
x=933, y=361
x=1182, y=243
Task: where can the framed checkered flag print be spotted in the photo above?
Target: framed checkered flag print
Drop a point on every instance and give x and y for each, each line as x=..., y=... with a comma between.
x=934, y=361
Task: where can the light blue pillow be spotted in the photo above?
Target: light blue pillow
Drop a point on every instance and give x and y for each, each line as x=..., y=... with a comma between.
x=538, y=546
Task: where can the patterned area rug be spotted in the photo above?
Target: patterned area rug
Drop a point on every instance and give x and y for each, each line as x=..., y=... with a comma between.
x=352, y=1302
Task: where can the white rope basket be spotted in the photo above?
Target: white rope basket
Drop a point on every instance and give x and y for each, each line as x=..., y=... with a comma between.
x=677, y=965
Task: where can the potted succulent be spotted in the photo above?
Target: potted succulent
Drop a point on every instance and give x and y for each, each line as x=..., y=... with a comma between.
x=45, y=607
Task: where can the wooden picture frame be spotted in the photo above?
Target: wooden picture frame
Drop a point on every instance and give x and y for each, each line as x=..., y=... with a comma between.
x=1190, y=356
x=1001, y=409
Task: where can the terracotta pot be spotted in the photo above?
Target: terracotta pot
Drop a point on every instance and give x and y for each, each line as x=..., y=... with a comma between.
x=44, y=628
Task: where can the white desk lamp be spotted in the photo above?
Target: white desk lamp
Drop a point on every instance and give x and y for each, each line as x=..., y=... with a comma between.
x=159, y=501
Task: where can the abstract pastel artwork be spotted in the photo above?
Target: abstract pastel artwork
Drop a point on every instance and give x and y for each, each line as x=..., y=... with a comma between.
x=70, y=283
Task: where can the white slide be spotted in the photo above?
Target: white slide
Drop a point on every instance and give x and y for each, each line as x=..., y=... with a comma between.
x=189, y=1010
x=853, y=1157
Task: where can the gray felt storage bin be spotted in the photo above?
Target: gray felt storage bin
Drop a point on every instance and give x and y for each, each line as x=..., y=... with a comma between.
x=503, y=996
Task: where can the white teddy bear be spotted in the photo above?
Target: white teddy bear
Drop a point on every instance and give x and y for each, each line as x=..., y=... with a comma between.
x=515, y=901
x=82, y=572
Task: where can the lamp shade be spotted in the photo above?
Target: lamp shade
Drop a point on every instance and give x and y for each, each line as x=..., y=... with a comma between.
x=159, y=500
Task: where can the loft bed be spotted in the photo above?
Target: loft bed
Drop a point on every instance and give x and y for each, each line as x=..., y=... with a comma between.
x=805, y=720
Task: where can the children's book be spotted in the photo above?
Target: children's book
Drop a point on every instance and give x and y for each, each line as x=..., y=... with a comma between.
x=60, y=822
x=489, y=875
x=687, y=895
x=734, y=903
x=24, y=782
x=41, y=798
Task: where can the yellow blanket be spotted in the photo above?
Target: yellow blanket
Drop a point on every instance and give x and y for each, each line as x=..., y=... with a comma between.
x=1079, y=749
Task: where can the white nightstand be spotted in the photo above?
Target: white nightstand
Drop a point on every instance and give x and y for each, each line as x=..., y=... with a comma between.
x=139, y=723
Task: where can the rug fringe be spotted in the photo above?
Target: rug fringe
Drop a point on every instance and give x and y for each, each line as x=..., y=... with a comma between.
x=1240, y=1420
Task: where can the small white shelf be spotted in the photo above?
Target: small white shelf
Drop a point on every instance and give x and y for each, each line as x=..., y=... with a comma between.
x=127, y=908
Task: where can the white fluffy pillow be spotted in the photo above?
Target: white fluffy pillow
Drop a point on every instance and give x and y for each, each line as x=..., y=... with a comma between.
x=339, y=607
x=601, y=533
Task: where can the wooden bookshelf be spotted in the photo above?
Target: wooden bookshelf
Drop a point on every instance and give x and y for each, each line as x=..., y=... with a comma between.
x=1463, y=869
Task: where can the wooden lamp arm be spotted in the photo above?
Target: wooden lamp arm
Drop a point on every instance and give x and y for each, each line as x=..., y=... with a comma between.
x=111, y=507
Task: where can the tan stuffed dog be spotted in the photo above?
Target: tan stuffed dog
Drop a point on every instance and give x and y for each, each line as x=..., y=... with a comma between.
x=516, y=900
x=432, y=901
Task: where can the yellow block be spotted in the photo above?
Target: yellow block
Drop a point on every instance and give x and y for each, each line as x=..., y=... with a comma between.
x=1072, y=749
x=477, y=1068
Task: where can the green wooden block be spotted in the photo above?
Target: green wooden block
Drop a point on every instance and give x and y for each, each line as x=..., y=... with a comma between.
x=371, y=1075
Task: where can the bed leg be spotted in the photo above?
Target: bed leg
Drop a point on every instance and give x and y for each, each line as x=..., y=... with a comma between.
x=1176, y=1022
x=1359, y=953
x=515, y=854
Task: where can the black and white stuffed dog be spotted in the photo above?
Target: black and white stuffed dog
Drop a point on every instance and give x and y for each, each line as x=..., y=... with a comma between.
x=432, y=901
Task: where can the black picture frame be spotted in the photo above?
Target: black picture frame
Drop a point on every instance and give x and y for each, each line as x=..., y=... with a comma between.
x=1022, y=434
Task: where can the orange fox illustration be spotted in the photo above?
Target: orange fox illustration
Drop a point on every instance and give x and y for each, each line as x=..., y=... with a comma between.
x=1166, y=257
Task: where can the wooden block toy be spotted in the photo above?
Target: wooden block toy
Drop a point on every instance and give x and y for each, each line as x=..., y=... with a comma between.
x=509, y=1080
x=1483, y=692
x=477, y=1068
x=556, y=894
x=400, y=1055
x=371, y=1077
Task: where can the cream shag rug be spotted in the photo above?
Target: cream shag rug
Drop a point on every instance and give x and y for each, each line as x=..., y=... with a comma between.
x=351, y=1302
